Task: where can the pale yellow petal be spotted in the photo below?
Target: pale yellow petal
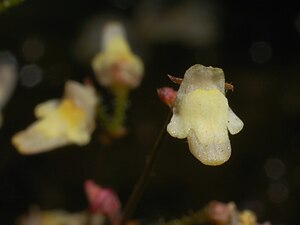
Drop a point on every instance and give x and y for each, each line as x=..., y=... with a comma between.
x=69, y=121
x=85, y=97
x=247, y=217
x=114, y=38
x=8, y=77
x=116, y=64
x=63, y=126
x=32, y=141
x=212, y=153
x=235, y=124
x=43, y=109
x=201, y=116
x=176, y=128
x=59, y=217
x=202, y=77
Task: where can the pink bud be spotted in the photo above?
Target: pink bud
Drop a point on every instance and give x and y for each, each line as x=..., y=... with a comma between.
x=102, y=200
x=167, y=95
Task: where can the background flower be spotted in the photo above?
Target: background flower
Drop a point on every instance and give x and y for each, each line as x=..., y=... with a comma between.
x=8, y=78
x=116, y=65
x=60, y=122
x=102, y=200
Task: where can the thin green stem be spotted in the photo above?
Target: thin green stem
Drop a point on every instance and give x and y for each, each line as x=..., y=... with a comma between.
x=102, y=115
x=120, y=105
x=111, y=124
x=145, y=176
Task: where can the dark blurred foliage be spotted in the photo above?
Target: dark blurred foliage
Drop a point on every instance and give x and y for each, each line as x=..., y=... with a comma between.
x=257, y=43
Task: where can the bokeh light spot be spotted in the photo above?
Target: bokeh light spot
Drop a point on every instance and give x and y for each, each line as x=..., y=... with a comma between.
x=278, y=192
x=31, y=75
x=274, y=168
x=260, y=52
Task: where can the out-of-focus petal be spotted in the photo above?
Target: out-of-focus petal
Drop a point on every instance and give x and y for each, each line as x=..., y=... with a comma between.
x=53, y=217
x=219, y=213
x=69, y=121
x=247, y=217
x=116, y=64
x=59, y=217
x=85, y=97
x=8, y=78
x=43, y=109
x=32, y=141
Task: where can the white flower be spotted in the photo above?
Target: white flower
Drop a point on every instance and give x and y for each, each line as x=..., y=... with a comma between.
x=202, y=115
x=116, y=65
x=8, y=78
x=60, y=122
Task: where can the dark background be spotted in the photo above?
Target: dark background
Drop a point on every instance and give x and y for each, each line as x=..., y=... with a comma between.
x=257, y=43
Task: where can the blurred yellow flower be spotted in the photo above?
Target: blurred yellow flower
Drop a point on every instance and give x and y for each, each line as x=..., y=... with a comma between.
x=68, y=121
x=53, y=217
x=202, y=115
x=116, y=65
x=247, y=217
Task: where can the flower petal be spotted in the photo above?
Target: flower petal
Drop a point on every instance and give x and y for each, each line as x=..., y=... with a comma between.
x=213, y=153
x=116, y=64
x=32, y=141
x=235, y=124
x=201, y=116
x=69, y=121
x=8, y=76
x=43, y=109
x=201, y=77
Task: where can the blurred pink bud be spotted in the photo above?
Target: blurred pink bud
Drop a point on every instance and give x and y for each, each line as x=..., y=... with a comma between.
x=219, y=213
x=167, y=95
x=102, y=200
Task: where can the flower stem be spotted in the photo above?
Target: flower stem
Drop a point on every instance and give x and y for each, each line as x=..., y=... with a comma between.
x=113, y=124
x=120, y=105
x=145, y=176
x=102, y=115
